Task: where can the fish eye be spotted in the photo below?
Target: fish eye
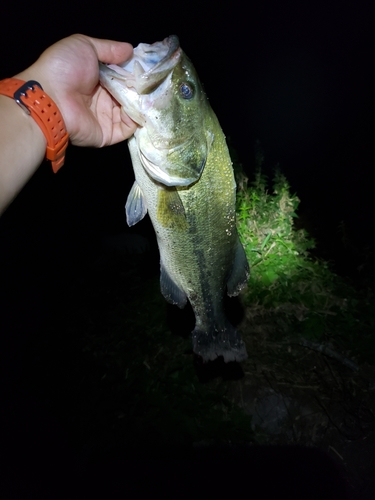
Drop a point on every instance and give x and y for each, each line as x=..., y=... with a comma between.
x=186, y=91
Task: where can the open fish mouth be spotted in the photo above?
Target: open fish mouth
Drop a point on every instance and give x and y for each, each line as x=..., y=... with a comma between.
x=149, y=89
x=150, y=65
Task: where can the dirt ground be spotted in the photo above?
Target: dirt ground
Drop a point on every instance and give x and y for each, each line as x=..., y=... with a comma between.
x=298, y=395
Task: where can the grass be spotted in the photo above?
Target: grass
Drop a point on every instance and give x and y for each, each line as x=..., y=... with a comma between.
x=300, y=292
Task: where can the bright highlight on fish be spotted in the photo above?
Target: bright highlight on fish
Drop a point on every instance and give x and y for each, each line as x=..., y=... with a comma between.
x=184, y=180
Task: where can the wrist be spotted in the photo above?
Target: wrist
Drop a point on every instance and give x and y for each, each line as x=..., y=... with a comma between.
x=22, y=146
x=33, y=72
x=15, y=122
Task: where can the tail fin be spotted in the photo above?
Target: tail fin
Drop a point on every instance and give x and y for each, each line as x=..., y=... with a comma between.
x=224, y=342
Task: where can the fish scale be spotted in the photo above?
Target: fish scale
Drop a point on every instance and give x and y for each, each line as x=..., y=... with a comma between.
x=184, y=180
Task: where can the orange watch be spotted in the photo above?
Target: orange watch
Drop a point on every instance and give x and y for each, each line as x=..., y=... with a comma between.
x=35, y=102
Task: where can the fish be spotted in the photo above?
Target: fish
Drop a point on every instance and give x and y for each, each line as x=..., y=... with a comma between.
x=184, y=180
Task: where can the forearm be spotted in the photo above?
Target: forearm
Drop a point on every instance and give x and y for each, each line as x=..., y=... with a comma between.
x=68, y=71
x=22, y=146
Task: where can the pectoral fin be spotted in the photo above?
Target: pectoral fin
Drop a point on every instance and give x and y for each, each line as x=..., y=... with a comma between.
x=172, y=293
x=135, y=207
x=240, y=272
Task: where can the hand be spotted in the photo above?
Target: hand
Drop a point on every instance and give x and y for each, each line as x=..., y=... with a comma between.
x=69, y=73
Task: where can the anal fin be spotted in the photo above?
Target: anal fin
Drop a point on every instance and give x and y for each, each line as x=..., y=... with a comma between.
x=171, y=292
x=240, y=272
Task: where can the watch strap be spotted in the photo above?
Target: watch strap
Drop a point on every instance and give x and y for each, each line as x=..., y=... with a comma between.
x=35, y=102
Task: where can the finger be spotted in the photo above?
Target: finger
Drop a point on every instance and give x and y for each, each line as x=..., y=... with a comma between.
x=127, y=121
x=123, y=126
x=110, y=51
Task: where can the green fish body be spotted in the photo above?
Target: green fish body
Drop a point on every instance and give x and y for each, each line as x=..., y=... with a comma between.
x=184, y=180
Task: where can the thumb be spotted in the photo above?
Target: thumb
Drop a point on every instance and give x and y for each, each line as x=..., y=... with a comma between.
x=110, y=51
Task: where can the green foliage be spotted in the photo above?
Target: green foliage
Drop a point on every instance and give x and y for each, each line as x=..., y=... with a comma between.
x=284, y=277
x=290, y=292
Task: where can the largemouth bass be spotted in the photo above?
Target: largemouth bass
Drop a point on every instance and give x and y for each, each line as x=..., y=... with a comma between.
x=184, y=180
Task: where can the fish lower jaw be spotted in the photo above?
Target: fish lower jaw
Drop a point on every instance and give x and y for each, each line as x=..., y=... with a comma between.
x=227, y=343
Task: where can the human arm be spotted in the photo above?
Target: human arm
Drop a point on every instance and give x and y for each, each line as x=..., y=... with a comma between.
x=68, y=72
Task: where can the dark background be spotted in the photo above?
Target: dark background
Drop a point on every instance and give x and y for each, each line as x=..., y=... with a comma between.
x=295, y=77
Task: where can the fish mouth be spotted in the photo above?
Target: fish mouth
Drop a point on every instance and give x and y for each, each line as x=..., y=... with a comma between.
x=144, y=87
x=148, y=67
